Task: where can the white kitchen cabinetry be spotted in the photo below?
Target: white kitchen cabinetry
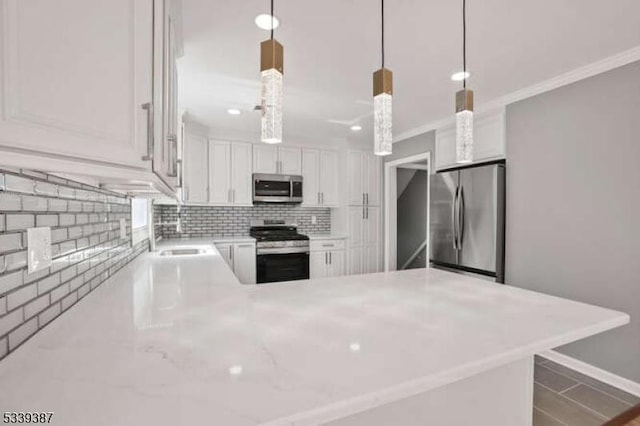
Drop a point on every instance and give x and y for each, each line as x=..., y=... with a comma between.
x=364, y=239
x=320, y=178
x=364, y=221
x=364, y=178
x=489, y=141
x=241, y=258
x=230, y=173
x=74, y=89
x=327, y=258
x=196, y=169
x=277, y=159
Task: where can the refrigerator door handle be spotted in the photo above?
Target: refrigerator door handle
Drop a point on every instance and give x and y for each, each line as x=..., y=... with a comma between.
x=461, y=208
x=454, y=219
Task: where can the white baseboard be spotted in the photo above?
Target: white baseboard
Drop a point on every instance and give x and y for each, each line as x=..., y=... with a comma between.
x=595, y=372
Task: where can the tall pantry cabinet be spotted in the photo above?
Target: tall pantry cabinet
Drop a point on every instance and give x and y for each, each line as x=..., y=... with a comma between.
x=364, y=171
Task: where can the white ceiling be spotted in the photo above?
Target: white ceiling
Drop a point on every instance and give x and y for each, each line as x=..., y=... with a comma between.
x=333, y=46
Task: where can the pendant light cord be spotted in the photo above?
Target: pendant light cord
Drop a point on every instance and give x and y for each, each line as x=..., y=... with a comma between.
x=464, y=44
x=272, y=19
x=382, y=20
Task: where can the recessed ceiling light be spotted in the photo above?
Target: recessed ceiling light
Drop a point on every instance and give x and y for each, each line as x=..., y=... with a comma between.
x=233, y=111
x=459, y=76
x=356, y=128
x=264, y=22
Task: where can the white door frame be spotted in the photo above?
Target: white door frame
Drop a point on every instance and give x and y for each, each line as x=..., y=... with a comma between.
x=391, y=206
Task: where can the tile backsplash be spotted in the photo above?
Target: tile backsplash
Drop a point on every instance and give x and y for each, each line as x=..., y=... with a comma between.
x=86, y=248
x=210, y=221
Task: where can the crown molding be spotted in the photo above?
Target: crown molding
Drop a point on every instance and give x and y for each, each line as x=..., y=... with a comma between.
x=618, y=60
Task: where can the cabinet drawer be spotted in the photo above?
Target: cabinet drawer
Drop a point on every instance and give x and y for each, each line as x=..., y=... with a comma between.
x=323, y=245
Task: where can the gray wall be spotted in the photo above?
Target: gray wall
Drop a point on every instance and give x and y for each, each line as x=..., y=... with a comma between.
x=425, y=142
x=86, y=248
x=573, y=203
x=412, y=216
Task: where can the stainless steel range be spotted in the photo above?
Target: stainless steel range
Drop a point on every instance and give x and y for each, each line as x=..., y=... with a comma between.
x=282, y=254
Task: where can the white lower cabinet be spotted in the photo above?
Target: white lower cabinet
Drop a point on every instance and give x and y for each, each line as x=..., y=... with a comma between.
x=364, y=240
x=327, y=258
x=241, y=258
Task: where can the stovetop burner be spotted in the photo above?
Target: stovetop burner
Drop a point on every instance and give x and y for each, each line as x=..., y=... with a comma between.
x=275, y=231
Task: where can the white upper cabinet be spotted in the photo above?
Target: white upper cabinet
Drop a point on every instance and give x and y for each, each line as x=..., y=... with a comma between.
x=76, y=74
x=219, y=172
x=364, y=178
x=320, y=177
x=275, y=159
x=489, y=141
x=311, y=177
x=91, y=87
x=265, y=158
x=290, y=160
x=196, y=168
x=241, y=181
x=230, y=173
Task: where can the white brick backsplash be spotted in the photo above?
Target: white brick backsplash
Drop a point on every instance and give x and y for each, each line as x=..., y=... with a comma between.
x=82, y=247
x=37, y=306
x=48, y=283
x=22, y=333
x=67, y=219
x=57, y=205
x=74, y=206
x=18, y=184
x=10, y=202
x=22, y=296
x=75, y=232
x=68, y=273
x=76, y=283
x=10, y=320
x=16, y=260
x=10, y=281
x=45, y=188
x=49, y=314
x=64, y=192
x=58, y=235
x=59, y=292
x=69, y=300
x=37, y=204
x=47, y=220
x=15, y=222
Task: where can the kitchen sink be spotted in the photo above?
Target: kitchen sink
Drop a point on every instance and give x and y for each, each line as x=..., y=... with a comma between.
x=182, y=252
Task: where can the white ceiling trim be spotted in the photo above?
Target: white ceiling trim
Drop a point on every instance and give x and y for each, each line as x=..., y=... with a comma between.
x=599, y=67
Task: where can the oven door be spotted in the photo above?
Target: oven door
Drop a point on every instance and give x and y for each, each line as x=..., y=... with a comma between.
x=282, y=267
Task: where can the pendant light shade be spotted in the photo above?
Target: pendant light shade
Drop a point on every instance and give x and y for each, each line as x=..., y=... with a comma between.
x=464, y=105
x=271, y=72
x=382, y=111
x=271, y=93
x=464, y=126
x=382, y=104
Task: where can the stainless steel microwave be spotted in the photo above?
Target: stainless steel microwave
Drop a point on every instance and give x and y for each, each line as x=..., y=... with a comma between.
x=271, y=188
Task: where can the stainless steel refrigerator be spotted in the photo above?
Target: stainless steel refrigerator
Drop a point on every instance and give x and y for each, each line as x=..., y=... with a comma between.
x=467, y=219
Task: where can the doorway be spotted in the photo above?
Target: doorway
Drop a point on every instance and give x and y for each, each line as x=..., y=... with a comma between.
x=407, y=195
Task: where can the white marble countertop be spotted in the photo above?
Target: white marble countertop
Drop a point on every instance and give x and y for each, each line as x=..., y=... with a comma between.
x=209, y=240
x=177, y=341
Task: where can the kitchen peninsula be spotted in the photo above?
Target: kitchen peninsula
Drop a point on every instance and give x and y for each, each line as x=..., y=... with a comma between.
x=177, y=340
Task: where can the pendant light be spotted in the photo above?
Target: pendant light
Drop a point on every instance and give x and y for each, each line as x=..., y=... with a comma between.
x=464, y=105
x=271, y=70
x=382, y=104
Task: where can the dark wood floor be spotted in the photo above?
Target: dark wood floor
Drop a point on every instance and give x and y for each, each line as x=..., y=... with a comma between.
x=564, y=397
